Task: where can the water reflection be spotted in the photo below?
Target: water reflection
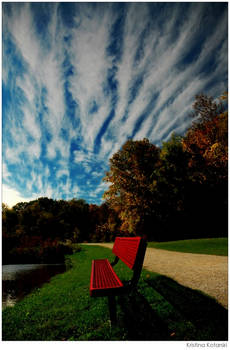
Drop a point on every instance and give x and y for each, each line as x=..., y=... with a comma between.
x=19, y=280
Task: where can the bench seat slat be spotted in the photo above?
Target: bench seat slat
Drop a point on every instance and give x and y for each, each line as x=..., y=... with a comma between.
x=103, y=278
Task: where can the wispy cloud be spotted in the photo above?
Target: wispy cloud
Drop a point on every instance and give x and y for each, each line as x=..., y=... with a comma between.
x=79, y=79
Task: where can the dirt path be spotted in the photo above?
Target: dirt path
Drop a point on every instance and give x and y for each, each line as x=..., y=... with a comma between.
x=208, y=273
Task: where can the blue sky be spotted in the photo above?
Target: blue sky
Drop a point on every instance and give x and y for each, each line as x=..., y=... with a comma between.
x=79, y=79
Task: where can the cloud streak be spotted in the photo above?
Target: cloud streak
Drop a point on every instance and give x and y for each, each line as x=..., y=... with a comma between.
x=79, y=79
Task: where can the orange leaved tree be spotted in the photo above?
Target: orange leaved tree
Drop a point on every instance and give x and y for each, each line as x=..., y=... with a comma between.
x=131, y=176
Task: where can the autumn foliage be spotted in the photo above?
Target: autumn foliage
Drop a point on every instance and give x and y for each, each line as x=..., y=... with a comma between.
x=207, y=139
x=180, y=189
x=45, y=230
x=176, y=191
x=130, y=193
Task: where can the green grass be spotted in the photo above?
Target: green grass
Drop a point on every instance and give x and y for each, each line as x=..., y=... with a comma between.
x=160, y=309
x=212, y=246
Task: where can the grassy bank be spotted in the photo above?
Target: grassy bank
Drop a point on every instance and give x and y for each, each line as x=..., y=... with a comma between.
x=212, y=246
x=160, y=309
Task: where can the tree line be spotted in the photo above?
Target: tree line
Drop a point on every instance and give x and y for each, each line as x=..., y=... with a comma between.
x=180, y=190
x=176, y=191
x=45, y=230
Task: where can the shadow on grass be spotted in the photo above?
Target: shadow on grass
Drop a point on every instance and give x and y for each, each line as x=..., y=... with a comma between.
x=140, y=321
x=180, y=313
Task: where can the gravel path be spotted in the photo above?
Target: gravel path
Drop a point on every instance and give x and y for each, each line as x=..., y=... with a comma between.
x=208, y=273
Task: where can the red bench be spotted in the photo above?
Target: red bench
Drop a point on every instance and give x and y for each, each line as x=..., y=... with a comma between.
x=104, y=280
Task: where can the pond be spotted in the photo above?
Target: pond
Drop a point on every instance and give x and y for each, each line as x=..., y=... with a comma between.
x=19, y=280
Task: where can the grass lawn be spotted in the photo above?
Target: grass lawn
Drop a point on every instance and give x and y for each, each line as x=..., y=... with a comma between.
x=160, y=309
x=213, y=246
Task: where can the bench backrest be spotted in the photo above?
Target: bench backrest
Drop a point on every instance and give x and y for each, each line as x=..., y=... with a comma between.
x=130, y=250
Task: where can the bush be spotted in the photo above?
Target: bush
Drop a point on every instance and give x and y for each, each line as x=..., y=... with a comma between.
x=50, y=252
x=27, y=255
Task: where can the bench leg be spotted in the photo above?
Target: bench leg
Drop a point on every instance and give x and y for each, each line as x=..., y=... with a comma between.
x=112, y=309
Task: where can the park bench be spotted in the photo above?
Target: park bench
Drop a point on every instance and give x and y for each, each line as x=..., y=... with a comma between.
x=104, y=280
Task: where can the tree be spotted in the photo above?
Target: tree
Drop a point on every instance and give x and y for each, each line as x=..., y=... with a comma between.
x=104, y=223
x=207, y=144
x=9, y=221
x=130, y=176
x=5, y=207
x=207, y=140
x=171, y=187
x=180, y=190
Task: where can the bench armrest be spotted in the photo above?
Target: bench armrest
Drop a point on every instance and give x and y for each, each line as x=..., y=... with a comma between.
x=115, y=261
